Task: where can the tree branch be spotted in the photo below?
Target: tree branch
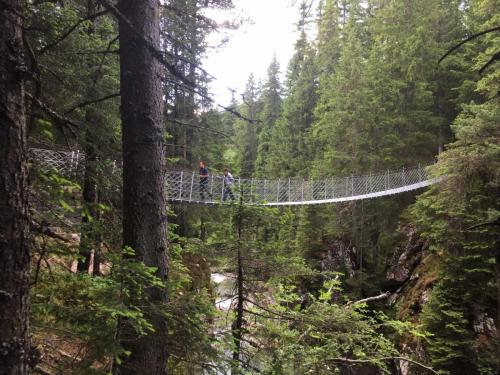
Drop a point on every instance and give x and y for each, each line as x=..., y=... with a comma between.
x=159, y=55
x=369, y=299
x=70, y=30
x=88, y=102
x=59, y=119
x=363, y=361
x=492, y=223
x=494, y=58
x=208, y=98
x=175, y=121
x=155, y=52
x=198, y=17
x=472, y=37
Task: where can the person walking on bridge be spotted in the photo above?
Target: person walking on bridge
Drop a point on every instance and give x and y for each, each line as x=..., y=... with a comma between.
x=228, y=183
x=203, y=180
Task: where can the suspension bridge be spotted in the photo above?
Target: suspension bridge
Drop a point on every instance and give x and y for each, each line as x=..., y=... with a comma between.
x=185, y=186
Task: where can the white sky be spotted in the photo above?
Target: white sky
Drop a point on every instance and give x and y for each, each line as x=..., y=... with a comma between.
x=251, y=47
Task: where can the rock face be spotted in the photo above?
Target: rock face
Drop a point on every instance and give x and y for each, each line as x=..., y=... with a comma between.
x=415, y=351
x=406, y=256
x=411, y=272
x=484, y=325
x=341, y=255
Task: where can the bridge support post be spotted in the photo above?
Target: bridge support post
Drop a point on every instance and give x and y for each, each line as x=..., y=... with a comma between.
x=76, y=163
x=191, y=191
x=239, y=188
x=289, y=191
x=71, y=163
x=222, y=190
x=180, y=186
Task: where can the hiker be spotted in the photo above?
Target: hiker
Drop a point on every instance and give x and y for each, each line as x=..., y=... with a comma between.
x=228, y=183
x=203, y=180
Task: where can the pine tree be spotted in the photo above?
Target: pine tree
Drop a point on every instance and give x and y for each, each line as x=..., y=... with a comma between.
x=459, y=218
x=271, y=110
x=16, y=357
x=144, y=205
x=288, y=149
x=413, y=98
x=246, y=130
x=344, y=125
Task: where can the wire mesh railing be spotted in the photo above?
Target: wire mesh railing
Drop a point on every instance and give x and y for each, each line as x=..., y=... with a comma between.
x=187, y=186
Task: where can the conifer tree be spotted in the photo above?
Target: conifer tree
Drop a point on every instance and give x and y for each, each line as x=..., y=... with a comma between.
x=459, y=217
x=288, y=149
x=271, y=110
x=144, y=198
x=344, y=123
x=246, y=130
x=16, y=356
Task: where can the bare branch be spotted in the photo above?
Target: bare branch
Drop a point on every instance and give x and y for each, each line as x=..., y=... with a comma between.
x=472, y=37
x=198, y=17
x=175, y=121
x=60, y=120
x=369, y=299
x=208, y=98
x=494, y=58
x=88, y=102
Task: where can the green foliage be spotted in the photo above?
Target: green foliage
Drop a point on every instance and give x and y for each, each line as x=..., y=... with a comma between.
x=458, y=217
x=366, y=94
x=317, y=339
x=84, y=311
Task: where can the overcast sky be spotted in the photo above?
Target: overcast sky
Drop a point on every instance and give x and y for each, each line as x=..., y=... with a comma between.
x=251, y=47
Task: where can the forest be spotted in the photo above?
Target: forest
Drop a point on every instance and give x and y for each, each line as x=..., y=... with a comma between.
x=102, y=272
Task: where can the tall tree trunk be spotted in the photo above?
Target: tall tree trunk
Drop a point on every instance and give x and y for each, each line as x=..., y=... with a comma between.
x=144, y=200
x=237, y=326
x=89, y=238
x=15, y=345
x=497, y=274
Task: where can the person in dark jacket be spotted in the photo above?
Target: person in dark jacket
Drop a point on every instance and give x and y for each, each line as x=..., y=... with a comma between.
x=204, y=180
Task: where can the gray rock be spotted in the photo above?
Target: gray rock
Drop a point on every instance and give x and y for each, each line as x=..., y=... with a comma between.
x=340, y=256
x=484, y=325
x=406, y=256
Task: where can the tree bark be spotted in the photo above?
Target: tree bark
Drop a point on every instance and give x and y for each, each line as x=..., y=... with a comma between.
x=15, y=348
x=89, y=237
x=237, y=326
x=144, y=200
x=497, y=275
